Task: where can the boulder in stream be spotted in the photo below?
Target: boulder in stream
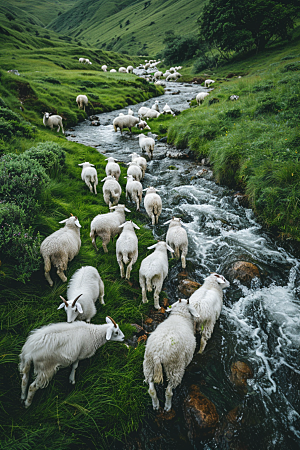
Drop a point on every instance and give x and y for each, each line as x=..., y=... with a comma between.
x=188, y=287
x=244, y=272
x=240, y=373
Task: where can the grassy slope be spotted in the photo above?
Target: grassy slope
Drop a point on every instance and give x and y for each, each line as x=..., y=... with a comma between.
x=101, y=22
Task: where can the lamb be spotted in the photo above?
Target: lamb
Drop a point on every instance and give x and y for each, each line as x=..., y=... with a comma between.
x=51, y=121
x=208, y=301
x=140, y=160
x=127, y=248
x=129, y=69
x=155, y=106
x=87, y=282
x=170, y=347
x=122, y=70
x=134, y=170
x=60, y=345
x=106, y=226
x=104, y=68
x=154, y=269
x=201, y=96
x=153, y=204
x=134, y=191
x=177, y=239
x=207, y=83
x=89, y=175
x=142, y=125
x=111, y=191
x=112, y=168
x=125, y=122
x=60, y=247
x=146, y=144
x=82, y=101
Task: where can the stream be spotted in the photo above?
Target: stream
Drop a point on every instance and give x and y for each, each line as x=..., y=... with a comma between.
x=259, y=324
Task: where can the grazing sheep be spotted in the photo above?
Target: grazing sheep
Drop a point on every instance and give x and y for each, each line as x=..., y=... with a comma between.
x=134, y=191
x=129, y=69
x=177, y=239
x=61, y=247
x=142, y=111
x=147, y=145
x=152, y=114
x=85, y=60
x=51, y=121
x=173, y=76
x=111, y=191
x=155, y=106
x=82, y=101
x=167, y=109
x=104, y=68
x=170, y=347
x=134, y=170
x=122, y=70
x=113, y=70
x=87, y=285
x=201, y=96
x=154, y=269
x=106, y=226
x=207, y=83
x=112, y=168
x=89, y=176
x=140, y=160
x=125, y=122
x=208, y=301
x=127, y=247
x=153, y=204
x=142, y=125
x=60, y=345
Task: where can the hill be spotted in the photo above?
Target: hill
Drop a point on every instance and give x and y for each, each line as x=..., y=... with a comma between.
x=129, y=27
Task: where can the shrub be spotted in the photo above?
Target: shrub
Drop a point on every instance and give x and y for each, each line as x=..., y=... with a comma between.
x=10, y=213
x=49, y=154
x=291, y=67
x=12, y=124
x=233, y=113
x=51, y=80
x=88, y=83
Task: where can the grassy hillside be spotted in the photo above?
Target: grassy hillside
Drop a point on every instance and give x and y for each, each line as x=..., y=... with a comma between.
x=131, y=27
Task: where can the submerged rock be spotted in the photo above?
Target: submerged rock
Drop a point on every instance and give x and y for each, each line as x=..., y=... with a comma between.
x=240, y=373
x=95, y=123
x=244, y=272
x=188, y=287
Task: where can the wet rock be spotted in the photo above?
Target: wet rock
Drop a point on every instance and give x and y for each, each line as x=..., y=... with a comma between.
x=229, y=435
x=163, y=139
x=200, y=415
x=91, y=118
x=176, y=112
x=164, y=415
x=148, y=321
x=71, y=129
x=95, y=123
x=14, y=71
x=242, y=199
x=176, y=154
x=73, y=135
x=240, y=373
x=244, y=272
x=230, y=75
x=205, y=161
x=198, y=80
x=205, y=173
x=188, y=287
x=175, y=93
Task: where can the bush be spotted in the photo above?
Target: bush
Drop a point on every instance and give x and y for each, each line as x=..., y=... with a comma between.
x=10, y=213
x=48, y=154
x=291, y=67
x=233, y=113
x=51, y=79
x=12, y=124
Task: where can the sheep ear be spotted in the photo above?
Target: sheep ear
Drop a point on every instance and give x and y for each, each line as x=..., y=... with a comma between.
x=168, y=221
x=79, y=308
x=104, y=179
x=122, y=226
x=63, y=221
x=93, y=165
x=193, y=311
x=109, y=332
x=127, y=210
x=152, y=246
x=220, y=278
x=135, y=226
x=81, y=164
x=145, y=189
x=61, y=306
x=77, y=223
x=169, y=248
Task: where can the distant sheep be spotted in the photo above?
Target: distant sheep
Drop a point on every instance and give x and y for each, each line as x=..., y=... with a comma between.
x=142, y=125
x=129, y=69
x=207, y=83
x=127, y=248
x=82, y=101
x=122, y=70
x=111, y=191
x=104, y=68
x=155, y=106
x=146, y=144
x=135, y=170
x=89, y=176
x=134, y=191
x=84, y=61
x=112, y=168
x=140, y=160
x=201, y=96
x=122, y=122
x=51, y=121
x=113, y=70
x=177, y=239
x=153, y=204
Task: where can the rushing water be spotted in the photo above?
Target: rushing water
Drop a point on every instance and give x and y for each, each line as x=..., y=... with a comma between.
x=259, y=324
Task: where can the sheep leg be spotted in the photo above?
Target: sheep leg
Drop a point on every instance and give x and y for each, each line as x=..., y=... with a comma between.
x=72, y=374
x=61, y=275
x=104, y=246
x=47, y=264
x=129, y=268
x=153, y=395
x=25, y=380
x=31, y=391
x=169, y=395
x=153, y=219
x=121, y=265
x=95, y=189
x=183, y=261
x=58, y=128
x=206, y=334
x=93, y=236
x=156, y=296
x=143, y=287
x=88, y=183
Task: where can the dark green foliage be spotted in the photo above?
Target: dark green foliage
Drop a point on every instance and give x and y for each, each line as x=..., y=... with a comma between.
x=10, y=213
x=233, y=113
x=291, y=67
x=51, y=80
x=12, y=124
x=48, y=154
x=179, y=48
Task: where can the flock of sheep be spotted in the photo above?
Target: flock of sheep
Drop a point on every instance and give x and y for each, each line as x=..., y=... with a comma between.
x=171, y=346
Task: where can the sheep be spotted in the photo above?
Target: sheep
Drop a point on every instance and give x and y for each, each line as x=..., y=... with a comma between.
x=142, y=125
x=106, y=226
x=111, y=191
x=153, y=204
x=130, y=112
x=142, y=111
x=201, y=96
x=125, y=122
x=140, y=160
x=154, y=269
x=177, y=239
x=122, y=70
x=129, y=69
x=60, y=247
x=112, y=168
x=173, y=76
x=104, y=68
x=207, y=83
x=82, y=101
x=60, y=345
x=134, y=170
x=113, y=70
x=152, y=114
x=167, y=109
x=147, y=145
x=85, y=60
x=158, y=75
x=134, y=191
x=87, y=282
x=208, y=301
x=170, y=347
x=51, y=121
x=127, y=247
x=89, y=176
x=155, y=106
x=160, y=83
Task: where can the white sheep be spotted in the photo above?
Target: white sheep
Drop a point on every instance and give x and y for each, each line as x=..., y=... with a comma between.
x=51, y=121
x=160, y=83
x=154, y=269
x=127, y=247
x=86, y=285
x=129, y=69
x=111, y=191
x=125, y=122
x=84, y=60
x=208, y=301
x=113, y=70
x=170, y=347
x=130, y=112
x=134, y=191
x=155, y=106
x=142, y=111
x=140, y=160
x=177, y=239
x=60, y=345
x=201, y=96
x=152, y=114
x=112, y=168
x=82, y=101
x=104, y=68
x=60, y=247
x=207, y=83
x=122, y=70
x=89, y=176
x=142, y=125
x=173, y=76
x=106, y=226
x=158, y=75
x=134, y=170
x=167, y=109
x=153, y=204
x=147, y=144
